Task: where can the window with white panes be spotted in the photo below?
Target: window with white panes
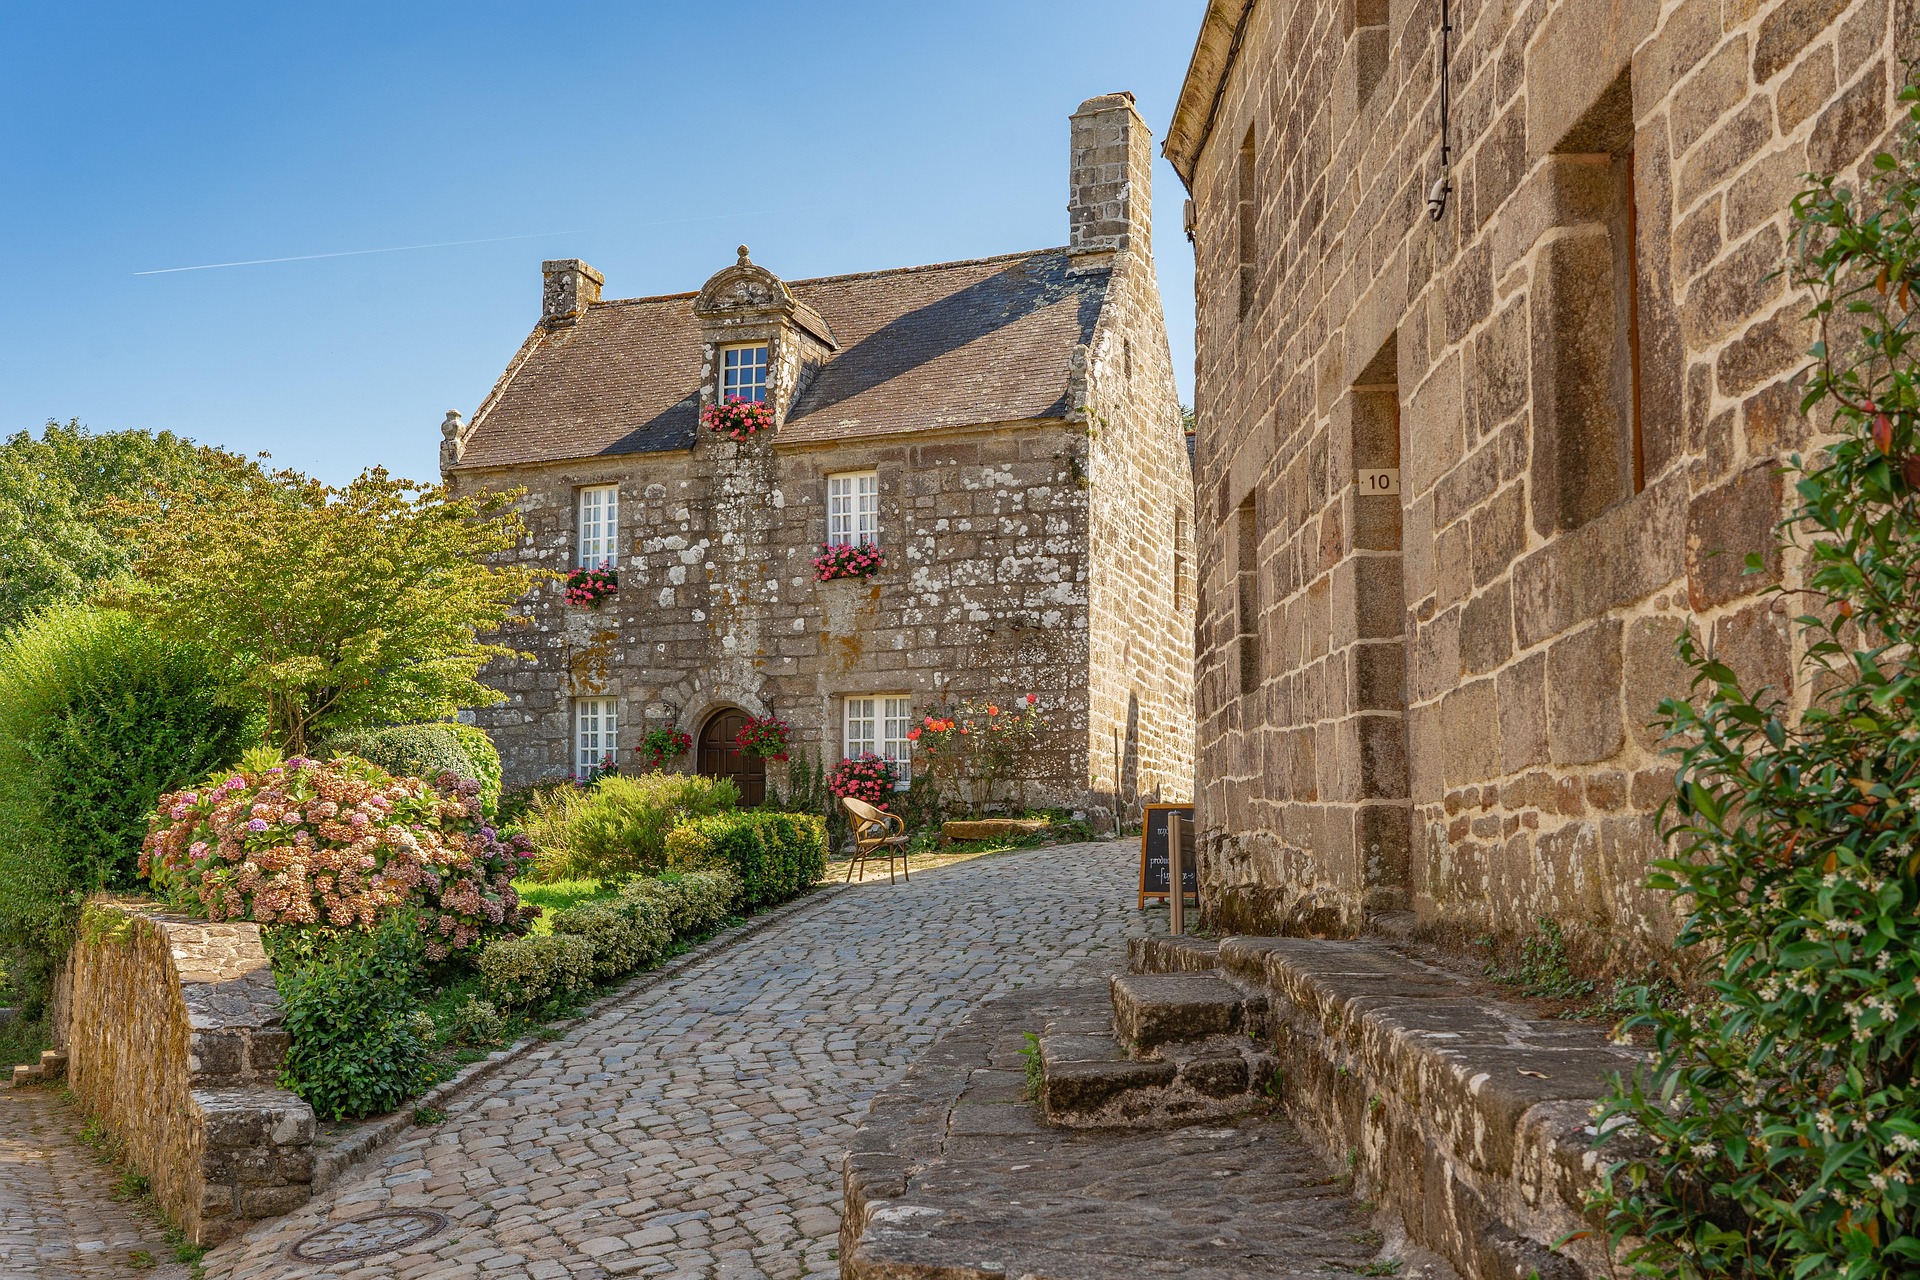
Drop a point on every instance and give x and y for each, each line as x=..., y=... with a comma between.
x=596, y=731
x=877, y=725
x=853, y=509
x=599, y=526
x=743, y=373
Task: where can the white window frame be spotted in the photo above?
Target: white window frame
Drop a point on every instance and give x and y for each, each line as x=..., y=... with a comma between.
x=878, y=723
x=596, y=733
x=596, y=526
x=732, y=380
x=853, y=508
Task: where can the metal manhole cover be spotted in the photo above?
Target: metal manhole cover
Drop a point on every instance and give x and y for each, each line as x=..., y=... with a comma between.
x=368, y=1234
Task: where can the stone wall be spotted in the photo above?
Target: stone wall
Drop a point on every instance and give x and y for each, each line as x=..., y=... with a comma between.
x=985, y=592
x=1140, y=512
x=1438, y=701
x=175, y=1039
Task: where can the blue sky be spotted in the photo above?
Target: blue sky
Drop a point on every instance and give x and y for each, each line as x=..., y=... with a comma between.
x=647, y=138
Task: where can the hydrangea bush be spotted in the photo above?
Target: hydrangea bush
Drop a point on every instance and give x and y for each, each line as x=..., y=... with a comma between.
x=1777, y=1131
x=339, y=844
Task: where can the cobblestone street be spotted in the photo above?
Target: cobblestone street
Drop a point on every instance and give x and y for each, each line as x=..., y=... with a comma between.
x=696, y=1129
x=58, y=1220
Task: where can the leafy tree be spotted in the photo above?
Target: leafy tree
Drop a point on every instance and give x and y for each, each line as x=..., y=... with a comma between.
x=56, y=537
x=1778, y=1126
x=337, y=607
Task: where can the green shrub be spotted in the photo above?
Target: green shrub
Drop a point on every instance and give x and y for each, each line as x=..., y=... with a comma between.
x=478, y=1022
x=525, y=973
x=692, y=903
x=426, y=751
x=98, y=717
x=357, y=1047
x=1778, y=1124
x=626, y=934
x=775, y=856
x=618, y=827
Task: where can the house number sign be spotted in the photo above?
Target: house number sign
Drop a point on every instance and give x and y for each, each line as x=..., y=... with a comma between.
x=1379, y=481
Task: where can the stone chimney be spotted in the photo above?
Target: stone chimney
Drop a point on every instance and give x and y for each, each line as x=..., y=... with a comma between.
x=569, y=287
x=1110, y=178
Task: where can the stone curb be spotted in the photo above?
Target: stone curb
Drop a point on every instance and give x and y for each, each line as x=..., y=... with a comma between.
x=369, y=1138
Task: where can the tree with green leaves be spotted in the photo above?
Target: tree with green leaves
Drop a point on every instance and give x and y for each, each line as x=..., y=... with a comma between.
x=56, y=537
x=1776, y=1133
x=337, y=607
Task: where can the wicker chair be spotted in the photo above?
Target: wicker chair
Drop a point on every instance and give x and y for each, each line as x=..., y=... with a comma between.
x=876, y=834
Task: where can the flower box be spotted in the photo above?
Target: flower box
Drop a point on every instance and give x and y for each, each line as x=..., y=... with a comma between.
x=592, y=587
x=737, y=418
x=848, y=560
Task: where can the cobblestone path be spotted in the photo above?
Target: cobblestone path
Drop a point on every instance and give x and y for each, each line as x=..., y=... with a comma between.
x=57, y=1218
x=696, y=1129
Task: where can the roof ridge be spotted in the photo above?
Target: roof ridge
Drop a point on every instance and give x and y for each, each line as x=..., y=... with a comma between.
x=854, y=275
x=932, y=266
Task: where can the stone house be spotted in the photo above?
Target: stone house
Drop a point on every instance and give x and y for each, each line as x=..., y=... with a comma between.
x=1007, y=431
x=1463, y=480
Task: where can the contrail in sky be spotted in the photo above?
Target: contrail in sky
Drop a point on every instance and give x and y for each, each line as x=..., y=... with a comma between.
x=450, y=244
x=349, y=253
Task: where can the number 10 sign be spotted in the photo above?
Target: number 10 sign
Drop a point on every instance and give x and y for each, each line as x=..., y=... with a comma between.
x=1377, y=481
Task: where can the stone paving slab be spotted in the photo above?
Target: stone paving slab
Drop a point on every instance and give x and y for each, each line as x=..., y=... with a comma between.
x=58, y=1220
x=696, y=1128
x=954, y=1175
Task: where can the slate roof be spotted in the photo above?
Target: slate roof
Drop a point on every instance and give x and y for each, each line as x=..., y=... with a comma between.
x=953, y=344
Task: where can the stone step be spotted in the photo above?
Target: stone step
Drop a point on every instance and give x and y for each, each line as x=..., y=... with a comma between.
x=53, y=1064
x=1167, y=953
x=1082, y=1075
x=1150, y=1010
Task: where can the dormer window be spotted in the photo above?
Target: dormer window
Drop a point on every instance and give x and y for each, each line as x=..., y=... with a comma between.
x=743, y=373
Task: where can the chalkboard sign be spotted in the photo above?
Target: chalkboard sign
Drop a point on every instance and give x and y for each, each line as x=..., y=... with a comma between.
x=1153, y=853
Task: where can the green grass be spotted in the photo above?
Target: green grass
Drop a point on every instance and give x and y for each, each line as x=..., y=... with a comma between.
x=558, y=895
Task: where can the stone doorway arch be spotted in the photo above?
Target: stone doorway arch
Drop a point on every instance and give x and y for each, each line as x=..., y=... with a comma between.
x=717, y=755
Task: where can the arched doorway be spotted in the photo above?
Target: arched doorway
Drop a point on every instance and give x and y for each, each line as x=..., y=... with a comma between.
x=721, y=757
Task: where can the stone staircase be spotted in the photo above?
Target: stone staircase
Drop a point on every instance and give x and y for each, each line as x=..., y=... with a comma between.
x=52, y=1066
x=1177, y=1048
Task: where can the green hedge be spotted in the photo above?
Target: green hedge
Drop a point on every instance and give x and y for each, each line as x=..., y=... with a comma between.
x=693, y=903
x=98, y=717
x=607, y=938
x=525, y=973
x=426, y=751
x=776, y=856
x=626, y=933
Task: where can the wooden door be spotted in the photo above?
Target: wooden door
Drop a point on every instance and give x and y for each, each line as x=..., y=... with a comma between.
x=721, y=757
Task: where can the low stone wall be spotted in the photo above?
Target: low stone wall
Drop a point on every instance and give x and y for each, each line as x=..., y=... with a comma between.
x=1467, y=1117
x=175, y=1038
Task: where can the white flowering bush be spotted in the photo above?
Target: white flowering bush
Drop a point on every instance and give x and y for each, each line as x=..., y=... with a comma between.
x=1777, y=1131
